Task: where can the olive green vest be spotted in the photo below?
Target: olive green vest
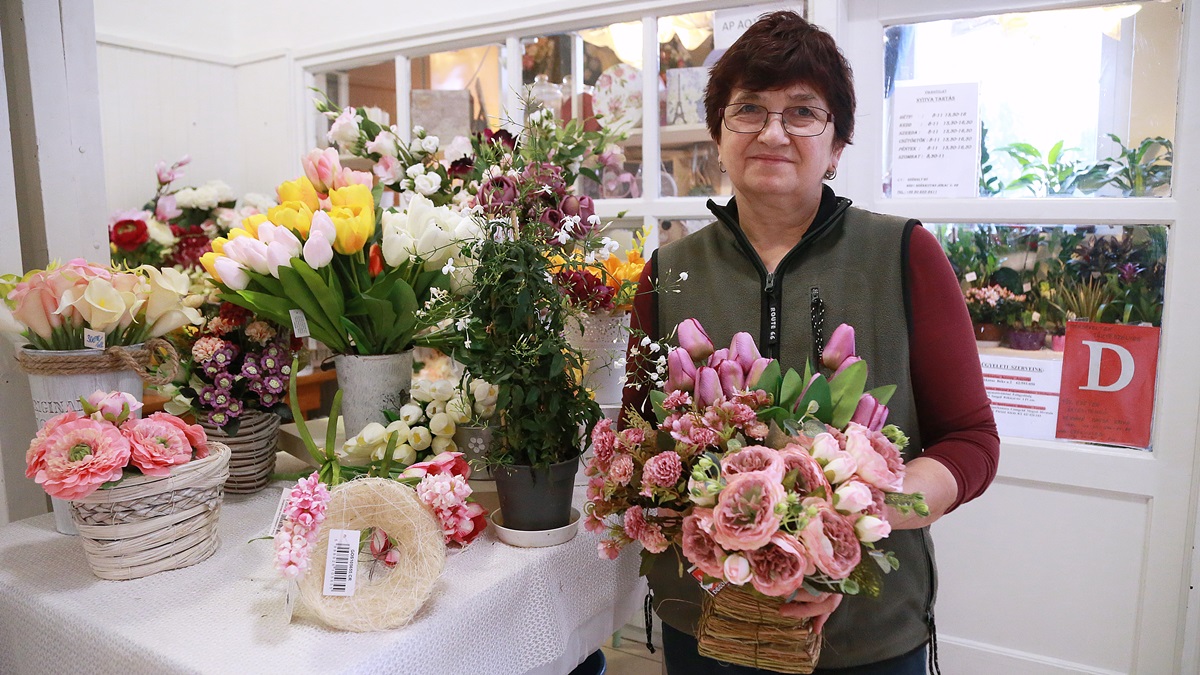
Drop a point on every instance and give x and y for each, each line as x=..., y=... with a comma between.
x=848, y=269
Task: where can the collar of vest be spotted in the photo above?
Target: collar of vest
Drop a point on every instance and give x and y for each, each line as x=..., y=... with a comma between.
x=828, y=218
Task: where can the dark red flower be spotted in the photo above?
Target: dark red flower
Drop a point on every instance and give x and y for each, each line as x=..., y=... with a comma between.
x=128, y=235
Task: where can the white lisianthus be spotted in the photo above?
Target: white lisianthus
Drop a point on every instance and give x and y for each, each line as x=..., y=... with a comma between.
x=160, y=233
x=344, y=130
x=377, y=115
x=427, y=184
x=385, y=144
x=429, y=144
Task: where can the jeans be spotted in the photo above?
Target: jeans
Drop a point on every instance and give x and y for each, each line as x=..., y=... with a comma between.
x=681, y=658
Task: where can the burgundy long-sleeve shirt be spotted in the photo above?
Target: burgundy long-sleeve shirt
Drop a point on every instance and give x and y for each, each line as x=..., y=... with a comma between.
x=953, y=410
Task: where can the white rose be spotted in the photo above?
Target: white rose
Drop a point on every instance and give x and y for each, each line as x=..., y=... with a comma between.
x=429, y=144
x=344, y=130
x=186, y=198
x=415, y=170
x=427, y=184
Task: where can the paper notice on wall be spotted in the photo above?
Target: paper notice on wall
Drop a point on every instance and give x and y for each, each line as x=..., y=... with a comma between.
x=729, y=24
x=1108, y=380
x=935, y=141
x=1024, y=393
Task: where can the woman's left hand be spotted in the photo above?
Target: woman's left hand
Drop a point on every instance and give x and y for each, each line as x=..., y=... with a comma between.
x=817, y=606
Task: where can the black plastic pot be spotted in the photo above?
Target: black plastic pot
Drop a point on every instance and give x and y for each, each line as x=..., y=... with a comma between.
x=536, y=498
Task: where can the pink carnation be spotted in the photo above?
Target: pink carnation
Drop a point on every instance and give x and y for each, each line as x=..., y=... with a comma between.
x=698, y=544
x=194, y=432
x=779, y=567
x=76, y=457
x=156, y=446
x=652, y=539
x=744, y=518
x=830, y=539
x=603, y=438
x=662, y=470
x=634, y=521
x=621, y=470
x=677, y=400
x=205, y=347
x=631, y=439
x=753, y=459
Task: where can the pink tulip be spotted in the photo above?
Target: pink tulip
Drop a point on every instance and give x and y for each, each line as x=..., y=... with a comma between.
x=805, y=390
x=693, y=339
x=318, y=250
x=31, y=310
x=756, y=371
x=743, y=350
x=840, y=347
x=870, y=413
x=717, y=357
x=322, y=168
x=681, y=372
x=348, y=176
x=850, y=360
x=708, y=386
x=731, y=377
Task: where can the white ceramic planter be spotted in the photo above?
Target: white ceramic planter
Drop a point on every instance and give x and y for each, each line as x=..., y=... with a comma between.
x=602, y=340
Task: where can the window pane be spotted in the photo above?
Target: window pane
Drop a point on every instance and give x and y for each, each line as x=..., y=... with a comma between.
x=689, y=156
x=1064, y=315
x=371, y=86
x=1070, y=102
x=458, y=93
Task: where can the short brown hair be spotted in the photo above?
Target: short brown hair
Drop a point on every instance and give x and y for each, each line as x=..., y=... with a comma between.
x=778, y=50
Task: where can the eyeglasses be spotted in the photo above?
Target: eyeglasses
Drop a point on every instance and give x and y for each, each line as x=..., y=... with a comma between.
x=799, y=120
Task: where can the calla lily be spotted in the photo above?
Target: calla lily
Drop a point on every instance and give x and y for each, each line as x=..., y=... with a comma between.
x=708, y=386
x=840, y=347
x=743, y=350
x=318, y=251
x=231, y=273
x=693, y=339
x=757, y=368
x=870, y=413
x=731, y=376
x=681, y=372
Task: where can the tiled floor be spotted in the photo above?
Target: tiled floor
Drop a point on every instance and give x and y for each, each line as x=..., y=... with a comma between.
x=631, y=656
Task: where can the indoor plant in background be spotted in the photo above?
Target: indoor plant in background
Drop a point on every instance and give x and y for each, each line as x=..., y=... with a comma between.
x=991, y=309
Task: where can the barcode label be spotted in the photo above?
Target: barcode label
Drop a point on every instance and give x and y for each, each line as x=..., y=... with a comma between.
x=341, y=562
x=277, y=521
x=299, y=323
x=93, y=339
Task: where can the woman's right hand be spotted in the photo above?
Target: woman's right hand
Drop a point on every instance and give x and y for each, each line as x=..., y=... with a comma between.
x=819, y=607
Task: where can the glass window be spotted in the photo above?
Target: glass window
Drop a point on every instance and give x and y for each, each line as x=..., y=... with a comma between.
x=1061, y=102
x=370, y=86
x=689, y=156
x=1067, y=320
x=458, y=93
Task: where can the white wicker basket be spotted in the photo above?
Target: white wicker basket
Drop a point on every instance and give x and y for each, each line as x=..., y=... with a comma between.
x=149, y=524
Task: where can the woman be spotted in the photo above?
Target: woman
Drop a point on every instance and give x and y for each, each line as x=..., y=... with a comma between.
x=787, y=260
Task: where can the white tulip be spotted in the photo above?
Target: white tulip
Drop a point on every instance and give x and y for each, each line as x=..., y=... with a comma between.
x=232, y=273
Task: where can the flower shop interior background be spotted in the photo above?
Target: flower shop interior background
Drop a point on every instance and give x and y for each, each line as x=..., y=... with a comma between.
x=1080, y=557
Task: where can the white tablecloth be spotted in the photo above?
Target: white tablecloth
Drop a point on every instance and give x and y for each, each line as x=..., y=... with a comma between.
x=496, y=609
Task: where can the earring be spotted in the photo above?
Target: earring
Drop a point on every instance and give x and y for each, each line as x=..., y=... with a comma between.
x=831, y=174
x=721, y=166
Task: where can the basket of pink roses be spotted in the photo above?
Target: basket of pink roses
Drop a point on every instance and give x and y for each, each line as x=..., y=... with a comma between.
x=771, y=485
x=145, y=493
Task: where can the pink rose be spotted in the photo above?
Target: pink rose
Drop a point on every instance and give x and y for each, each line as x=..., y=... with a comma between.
x=753, y=459
x=852, y=496
x=780, y=566
x=830, y=539
x=194, y=432
x=76, y=457
x=634, y=521
x=736, y=569
x=621, y=470
x=156, y=445
x=663, y=469
x=871, y=528
x=698, y=544
x=811, y=478
x=884, y=472
x=112, y=405
x=744, y=517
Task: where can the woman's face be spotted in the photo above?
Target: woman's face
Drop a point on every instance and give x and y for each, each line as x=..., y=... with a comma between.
x=773, y=164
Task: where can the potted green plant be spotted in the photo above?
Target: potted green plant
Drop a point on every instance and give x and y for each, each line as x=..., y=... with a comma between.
x=991, y=308
x=1030, y=321
x=1139, y=171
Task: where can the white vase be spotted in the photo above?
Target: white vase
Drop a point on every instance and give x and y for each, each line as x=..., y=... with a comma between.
x=55, y=394
x=602, y=339
x=370, y=385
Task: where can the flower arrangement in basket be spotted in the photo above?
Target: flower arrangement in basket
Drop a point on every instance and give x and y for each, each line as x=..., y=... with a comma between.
x=771, y=484
x=145, y=493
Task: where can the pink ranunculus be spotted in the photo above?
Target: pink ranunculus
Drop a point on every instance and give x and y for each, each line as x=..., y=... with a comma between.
x=194, y=432
x=389, y=170
x=830, y=539
x=634, y=521
x=736, y=569
x=884, y=472
x=663, y=469
x=698, y=544
x=37, y=448
x=744, y=518
x=780, y=567
x=113, y=404
x=443, y=463
x=156, y=446
x=840, y=347
x=694, y=340
x=79, y=456
x=754, y=459
x=811, y=479
x=621, y=470
x=652, y=539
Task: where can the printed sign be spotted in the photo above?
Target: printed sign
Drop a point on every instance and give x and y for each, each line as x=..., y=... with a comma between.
x=1024, y=394
x=1108, y=378
x=299, y=323
x=935, y=141
x=729, y=24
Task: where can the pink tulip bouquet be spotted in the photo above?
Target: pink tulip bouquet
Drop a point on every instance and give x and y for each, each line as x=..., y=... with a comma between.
x=59, y=306
x=77, y=453
x=774, y=481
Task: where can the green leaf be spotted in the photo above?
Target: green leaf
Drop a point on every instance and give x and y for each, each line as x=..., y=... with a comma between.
x=845, y=390
x=331, y=301
x=817, y=391
x=770, y=380
x=303, y=296
x=335, y=410
x=269, y=283
x=648, y=559
x=793, y=385
x=883, y=394
x=656, y=399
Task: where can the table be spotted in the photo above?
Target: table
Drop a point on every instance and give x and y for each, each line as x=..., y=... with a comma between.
x=495, y=609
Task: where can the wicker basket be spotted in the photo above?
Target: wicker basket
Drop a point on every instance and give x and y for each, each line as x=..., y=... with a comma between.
x=743, y=627
x=148, y=524
x=253, y=450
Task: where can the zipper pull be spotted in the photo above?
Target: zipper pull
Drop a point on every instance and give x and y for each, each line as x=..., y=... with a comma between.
x=770, y=285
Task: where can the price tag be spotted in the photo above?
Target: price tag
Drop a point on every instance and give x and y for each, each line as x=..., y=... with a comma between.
x=712, y=587
x=299, y=323
x=289, y=599
x=1037, y=316
x=277, y=521
x=93, y=339
x=1027, y=287
x=970, y=276
x=341, y=563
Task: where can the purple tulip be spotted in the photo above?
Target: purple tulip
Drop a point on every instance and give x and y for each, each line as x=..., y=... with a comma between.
x=756, y=370
x=693, y=339
x=708, y=386
x=870, y=413
x=731, y=376
x=681, y=373
x=840, y=347
x=850, y=360
x=717, y=357
x=743, y=350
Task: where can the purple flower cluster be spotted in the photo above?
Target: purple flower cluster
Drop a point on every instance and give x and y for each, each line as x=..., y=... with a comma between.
x=257, y=380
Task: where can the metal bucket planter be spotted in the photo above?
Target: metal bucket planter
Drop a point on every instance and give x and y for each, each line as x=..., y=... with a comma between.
x=370, y=385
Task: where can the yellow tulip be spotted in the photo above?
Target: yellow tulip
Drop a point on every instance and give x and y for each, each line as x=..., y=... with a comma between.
x=218, y=245
x=353, y=195
x=354, y=226
x=238, y=232
x=299, y=190
x=207, y=260
x=251, y=224
x=295, y=216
